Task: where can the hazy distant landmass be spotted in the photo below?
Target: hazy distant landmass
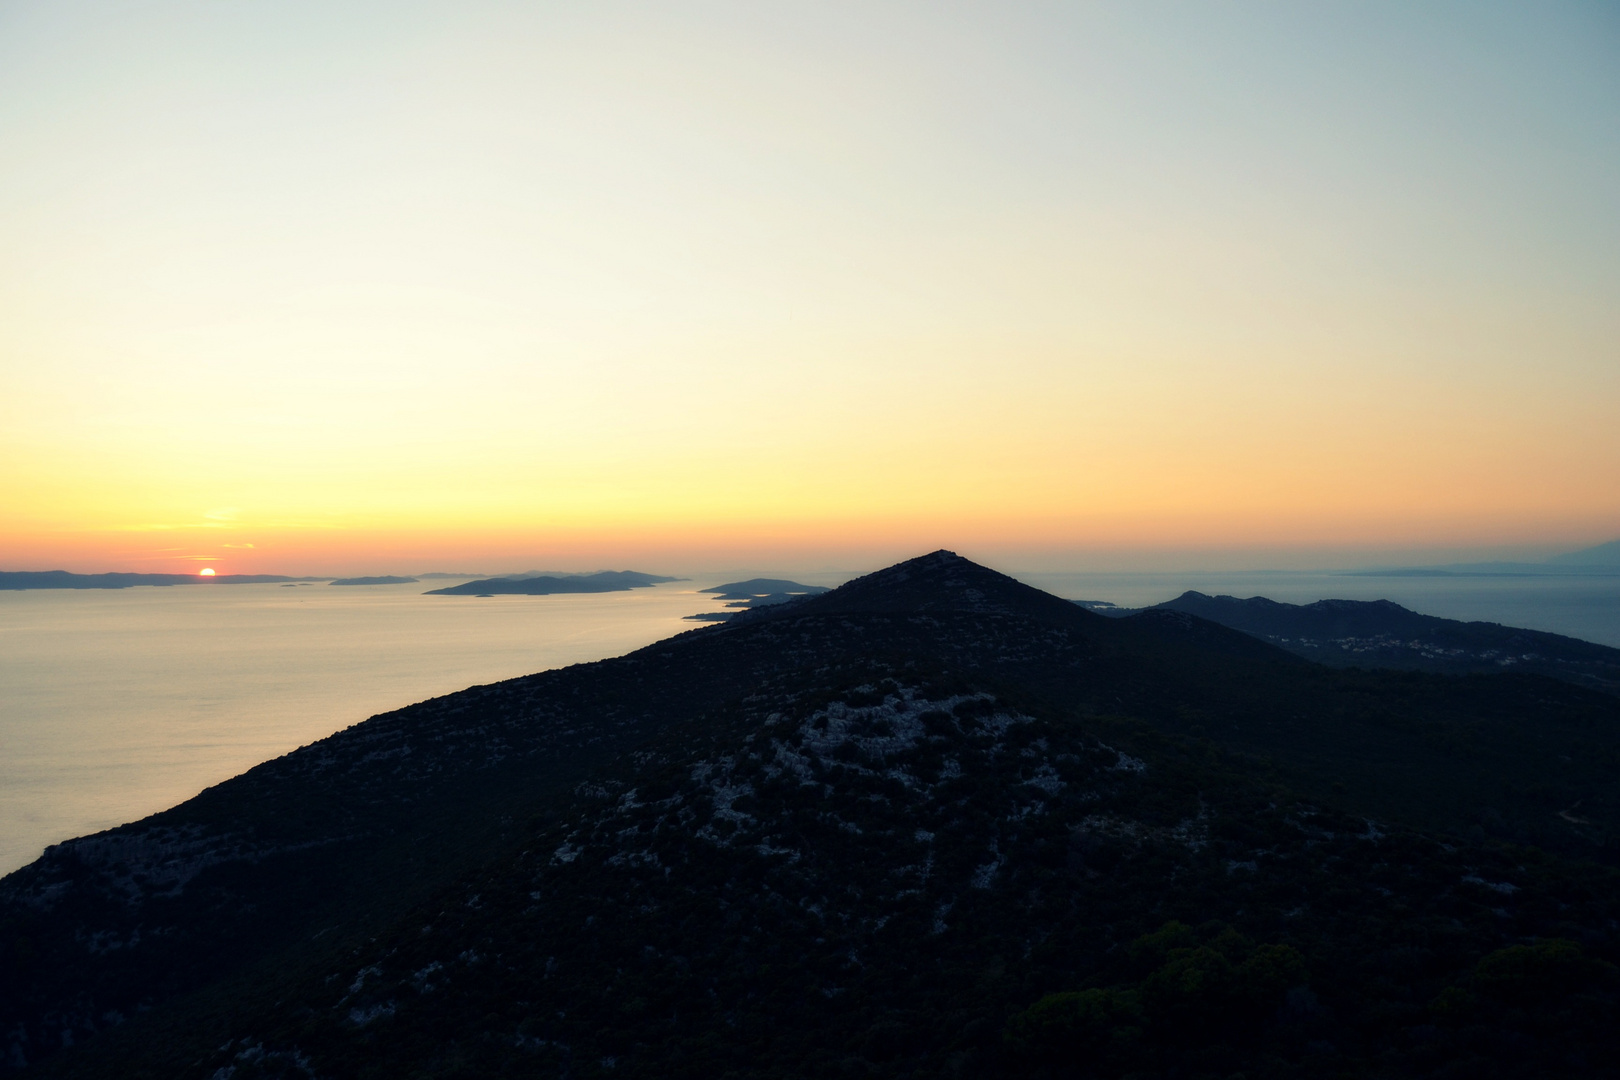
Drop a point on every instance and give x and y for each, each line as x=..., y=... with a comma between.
x=1381, y=633
x=1603, y=559
x=63, y=579
x=602, y=581
x=754, y=593
x=383, y=580
x=1605, y=555
x=467, y=575
x=557, y=574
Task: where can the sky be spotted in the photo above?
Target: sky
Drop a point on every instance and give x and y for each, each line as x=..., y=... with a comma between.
x=390, y=287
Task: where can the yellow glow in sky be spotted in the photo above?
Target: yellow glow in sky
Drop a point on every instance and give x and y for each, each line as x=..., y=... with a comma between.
x=306, y=287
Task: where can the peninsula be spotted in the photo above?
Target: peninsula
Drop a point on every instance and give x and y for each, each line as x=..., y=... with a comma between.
x=1383, y=634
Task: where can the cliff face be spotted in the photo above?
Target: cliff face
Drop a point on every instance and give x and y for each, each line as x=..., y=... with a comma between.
x=851, y=832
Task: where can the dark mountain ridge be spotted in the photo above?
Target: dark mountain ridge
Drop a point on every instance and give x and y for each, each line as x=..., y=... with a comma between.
x=1380, y=633
x=934, y=820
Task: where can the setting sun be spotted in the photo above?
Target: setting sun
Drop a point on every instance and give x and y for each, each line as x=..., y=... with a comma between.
x=206, y=572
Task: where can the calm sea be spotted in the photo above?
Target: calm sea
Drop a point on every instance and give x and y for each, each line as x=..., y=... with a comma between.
x=116, y=704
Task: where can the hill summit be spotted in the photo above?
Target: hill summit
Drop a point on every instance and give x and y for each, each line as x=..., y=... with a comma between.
x=933, y=822
x=942, y=581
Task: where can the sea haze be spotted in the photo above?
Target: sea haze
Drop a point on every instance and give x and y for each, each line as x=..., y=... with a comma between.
x=116, y=704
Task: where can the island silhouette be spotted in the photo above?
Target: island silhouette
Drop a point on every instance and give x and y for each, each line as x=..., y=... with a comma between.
x=754, y=593
x=546, y=584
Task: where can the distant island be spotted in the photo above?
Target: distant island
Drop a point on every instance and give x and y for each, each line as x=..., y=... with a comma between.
x=63, y=579
x=546, y=584
x=754, y=593
x=383, y=580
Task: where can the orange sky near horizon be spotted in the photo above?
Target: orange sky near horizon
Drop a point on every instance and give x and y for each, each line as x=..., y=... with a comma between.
x=288, y=289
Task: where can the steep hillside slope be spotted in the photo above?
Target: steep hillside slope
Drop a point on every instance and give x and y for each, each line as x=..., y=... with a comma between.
x=715, y=846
